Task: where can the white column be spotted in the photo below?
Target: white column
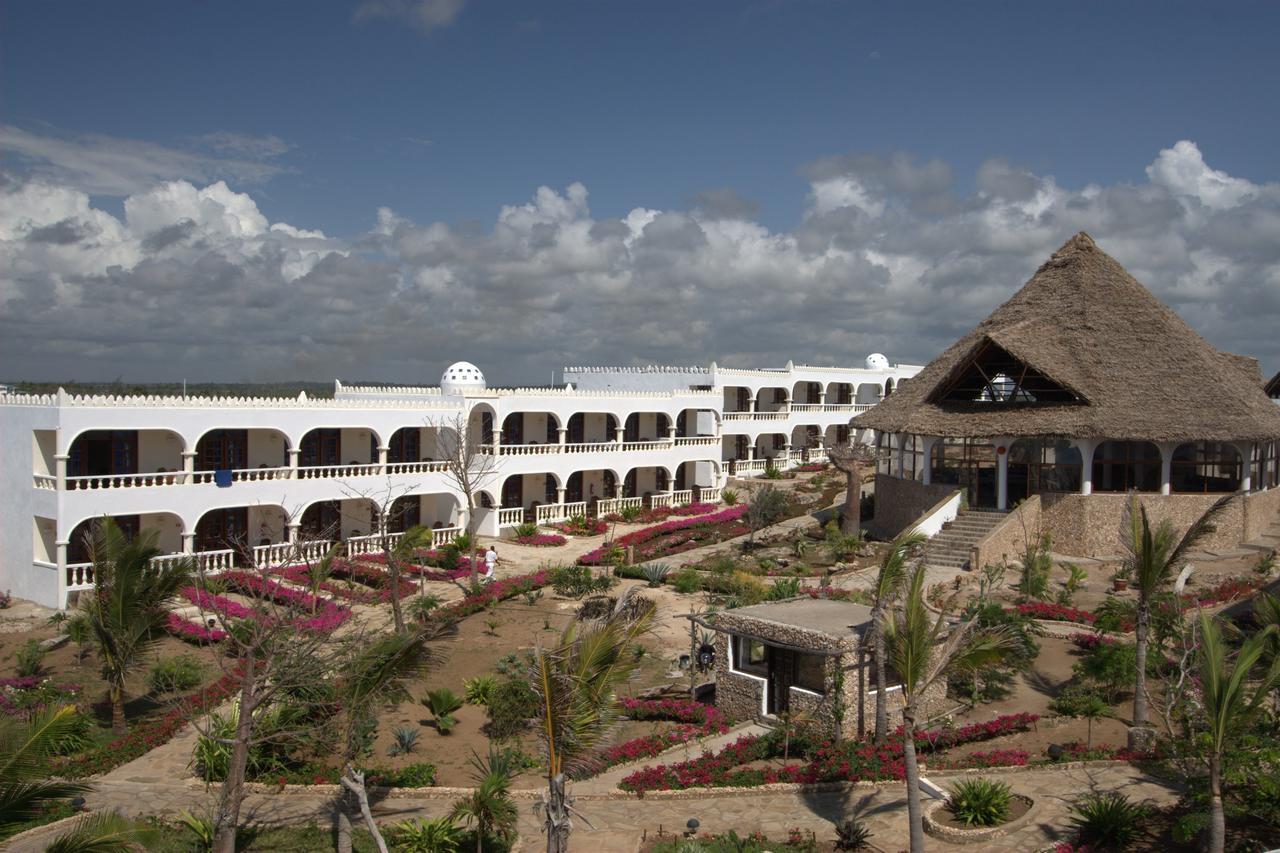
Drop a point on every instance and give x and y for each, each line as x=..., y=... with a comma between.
x=751, y=451
x=497, y=440
x=822, y=397
x=188, y=542
x=560, y=495
x=382, y=456
x=1002, y=472
x=293, y=531
x=61, y=557
x=751, y=404
x=1086, y=446
x=1245, y=449
x=294, y=454
x=60, y=470
x=671, y=433
x=1166, y=466
x=618, y=434
x=564, y=432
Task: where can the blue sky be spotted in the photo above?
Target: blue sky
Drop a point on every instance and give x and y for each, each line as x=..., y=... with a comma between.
x=900, y=168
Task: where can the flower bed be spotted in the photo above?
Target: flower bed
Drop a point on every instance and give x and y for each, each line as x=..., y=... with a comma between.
x=674, y=536
x=496, y=591
x=1055, y=612
x=192, y=632
x=374, y=588
x=221, y=605
x=27, y=695
x=1089, y=642
x=651, y=515
x=1228, y=590
x=321, y=613
x=582, y=527
x=825, y=760
x=811, y=467
x=695, y=720
x=994, y=758
x=541, y=540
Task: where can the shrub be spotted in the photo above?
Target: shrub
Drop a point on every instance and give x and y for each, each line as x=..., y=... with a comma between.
x=1107, y=821
x=784, y=588
x=687, y=580
x=577, y=581
x=730, y=497
x=78, y=735
x=429, y=835
x=656, y=573
x=1054, y=612
x=511, y=707
x=1111, y=666
x=479, y=690
x=420, y=774
x=527, y=528
x=404, y=741
x=980, y=802
x=168, y=675
x=421, y=607
x=29, y=659
x=853, y=834
x=442, y=703
x=630, y=513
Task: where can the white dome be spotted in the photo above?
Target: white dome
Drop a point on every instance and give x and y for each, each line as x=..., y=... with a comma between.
x=877, y=361
x=462, y=377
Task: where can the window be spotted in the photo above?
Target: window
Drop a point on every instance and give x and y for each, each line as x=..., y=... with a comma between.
x=811, y=673
x=1122, y=466
x=1205, y=466
x=993, y=375
x=750, y=656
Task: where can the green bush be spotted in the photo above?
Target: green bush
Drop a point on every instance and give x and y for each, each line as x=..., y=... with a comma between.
x=577, y=581
x=169, y=675
x=479, y=690
x=421, y=774
x=442, y=703
x=527, y=528
x=511, y=707
x=980, y=802
x=29, y=659
x=656, y=573
x=730, y=497
x=448, y=556
x=405, y=741
x=1107, y=821
x=687, y=580
x=631, y=513
x=1113, y=667
x=431, y=835
x=784, y=588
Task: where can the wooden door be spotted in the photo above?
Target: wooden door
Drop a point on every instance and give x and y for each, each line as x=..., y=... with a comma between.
x=782, y=665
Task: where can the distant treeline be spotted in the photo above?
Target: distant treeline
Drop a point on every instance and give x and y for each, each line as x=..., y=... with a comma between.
x=174, y=389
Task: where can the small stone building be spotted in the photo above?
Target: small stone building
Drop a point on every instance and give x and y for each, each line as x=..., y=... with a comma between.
x=789, y=657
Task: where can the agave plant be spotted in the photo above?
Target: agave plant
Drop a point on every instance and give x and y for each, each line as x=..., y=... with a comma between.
x=428, y=835
x=656, y=573
x=479, y=690
x=1107, y=821
x=404, y=741
x=980, y=802
x=442, y=703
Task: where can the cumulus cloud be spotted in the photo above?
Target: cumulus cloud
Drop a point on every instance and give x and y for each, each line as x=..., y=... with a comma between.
x=194, y=280
x=426, y=15
x=108, y=165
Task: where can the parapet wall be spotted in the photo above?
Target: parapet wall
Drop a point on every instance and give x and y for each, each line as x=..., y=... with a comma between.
x=900, y=502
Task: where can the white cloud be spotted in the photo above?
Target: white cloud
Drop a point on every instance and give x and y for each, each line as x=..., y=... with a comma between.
x=195, y=280
x=426, y=15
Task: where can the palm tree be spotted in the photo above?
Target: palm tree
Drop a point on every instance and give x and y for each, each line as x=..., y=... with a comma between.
x=926, y=652
x=1229, y=703
x=375, y=676
x=890, y=579
x=489, y=808
x=318, y=572
x=576, y=683
x=396, y=555
x=26, y=790
x=1153, y=559
x=125, y=611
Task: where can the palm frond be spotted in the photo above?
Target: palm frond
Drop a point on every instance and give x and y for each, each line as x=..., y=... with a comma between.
x=25, y=747
x=1199, y=529
x=105, y=832
x=20, y=801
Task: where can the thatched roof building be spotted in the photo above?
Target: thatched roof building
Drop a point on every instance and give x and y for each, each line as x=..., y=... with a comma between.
x=1083, y=350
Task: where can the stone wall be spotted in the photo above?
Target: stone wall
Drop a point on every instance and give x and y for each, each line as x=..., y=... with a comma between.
x=900, y=502
x=1261, y=510
x=1007, y=541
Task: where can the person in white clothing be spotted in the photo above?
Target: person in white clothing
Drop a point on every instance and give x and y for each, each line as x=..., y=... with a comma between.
x=490, y=562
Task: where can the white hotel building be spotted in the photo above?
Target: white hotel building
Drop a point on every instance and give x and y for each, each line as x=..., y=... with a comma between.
x=234, y=480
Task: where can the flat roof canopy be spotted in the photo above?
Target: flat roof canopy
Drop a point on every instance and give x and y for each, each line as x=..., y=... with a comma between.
x=824, y=615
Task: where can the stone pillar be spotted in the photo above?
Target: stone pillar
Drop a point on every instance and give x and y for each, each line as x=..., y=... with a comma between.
x=188, y=465
x=618, y=434
x=560, y=495
x=496, y=437
x=1002, y=472
x=61, y=557
x=293, y=528
x=564, y=433
x=382, y=456
x=1245, y=449
x=822, y=397
x=188, y=542
x=293, y=463
x=751, y=404
x=671, y=433
x=751, y=451
x=1166, y=466
x=60, y=469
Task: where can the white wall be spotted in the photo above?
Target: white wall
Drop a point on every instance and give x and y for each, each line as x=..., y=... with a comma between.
x=266, y=447
x=159, y=449
x=168, y=530
x=355, y=447
x=44, y=443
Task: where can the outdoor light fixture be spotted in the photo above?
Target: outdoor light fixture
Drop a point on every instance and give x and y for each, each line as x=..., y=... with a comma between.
x=706, y=656
x=1055, y=751
x=684, y=661
x=691, y=828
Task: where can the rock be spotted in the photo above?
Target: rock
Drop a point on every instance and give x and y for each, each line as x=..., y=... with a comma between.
x=53, y=642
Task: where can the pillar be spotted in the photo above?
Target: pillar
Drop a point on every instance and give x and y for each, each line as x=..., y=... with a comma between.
x=822, y=397
x=1002, y=472
x=60, y=470
x=188, y=542
x=671, y=433
x=751, y=404
x=61, y=557
x=930, y=441
x=1245, y=449
x=293, y=463
x=560, y=495
x=496, y=439
x=619, y=433
x=901, y=456
x=751, y=451
x=564, y=433
x=382, y=456
x=1166, y=466
x=293, y=528
x=1086, y=447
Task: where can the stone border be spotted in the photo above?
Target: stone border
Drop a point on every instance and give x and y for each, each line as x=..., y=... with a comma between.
x=970, y=836
x=40, y=831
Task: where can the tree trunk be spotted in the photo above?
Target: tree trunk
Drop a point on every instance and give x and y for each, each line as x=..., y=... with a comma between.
x=1140, y=658
x=393, y=578
x=118, y=723
x=914, y=820
x=471, y=535
x=1217, y=818
x=344, y=824
x=227, y=818
x=557, y=821
x=353, y=780
x=882, y=701
x=851, y=520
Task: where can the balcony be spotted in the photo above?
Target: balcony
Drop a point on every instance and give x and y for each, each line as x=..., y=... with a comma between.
x=240, y=475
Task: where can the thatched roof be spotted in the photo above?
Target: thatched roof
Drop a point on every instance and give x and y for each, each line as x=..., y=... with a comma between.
x=1272, y=388
x=1095, y=355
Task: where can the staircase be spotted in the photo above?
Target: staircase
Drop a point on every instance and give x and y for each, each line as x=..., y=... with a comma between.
x=1267, y=541
x=950, y=549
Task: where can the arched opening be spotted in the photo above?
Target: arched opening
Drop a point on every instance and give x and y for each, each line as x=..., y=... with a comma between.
x=806, y=393
x=480, y=424
x=735, y=448
x=165, y=526
x=770, y=444
x=806, y=436
x=772, y=400
x=1043, y=465
x=591, y=485
x=646, y=426
x=643, y=482
x=530, y=428
x=101, y=454
x=529, y=490
x=736, y=398
x=591, y=428
x=239, y=529
x=888, y=386
x=691, y=423
x=1123, y=466
x=434, y=511
x=1206, y=467
x=338, y=446
x=339, y=519
x=840, y=393
x=869, y=393
x=240, y=449
x=836, y=435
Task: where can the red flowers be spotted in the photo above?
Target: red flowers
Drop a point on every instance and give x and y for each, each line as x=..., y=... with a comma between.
x=1055, y=612
x=696, y=720
x=541, y=540
x=678, y=534
x=935, y=740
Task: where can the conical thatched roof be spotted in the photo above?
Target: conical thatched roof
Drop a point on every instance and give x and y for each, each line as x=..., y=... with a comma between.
x=1098, y=356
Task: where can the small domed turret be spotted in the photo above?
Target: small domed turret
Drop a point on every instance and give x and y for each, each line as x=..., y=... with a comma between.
x=877, y=361
x=462, y=377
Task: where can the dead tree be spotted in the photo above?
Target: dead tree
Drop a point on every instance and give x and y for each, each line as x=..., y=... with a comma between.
x=471, y=465
x=854, y=460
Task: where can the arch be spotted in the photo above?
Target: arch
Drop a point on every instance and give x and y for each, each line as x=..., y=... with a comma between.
x=1206, y=467
x=1122, y=466
x=241, y=448
x=769, y=444
x=428, y=509
x=240, y=528
x=646, y=426
x=868, y=394
x=806, y=392
x=522, y=490
x=888, y=386
x=644, y=480
x=840, y=393
x=107, y=452
x=806, y=435
x=482, y=420
x=591, y=427
x=339, y=518
x=689, y=422
x=772, y=398
x=168, y=527
x=339, y=446
x=592, y=484
x=1043, y=465
x=517, y=428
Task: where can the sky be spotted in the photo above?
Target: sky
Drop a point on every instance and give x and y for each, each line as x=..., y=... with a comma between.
x=373, y=189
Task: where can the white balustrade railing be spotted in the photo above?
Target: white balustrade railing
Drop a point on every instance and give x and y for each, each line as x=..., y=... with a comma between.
x=709, y=495
x=822, y=407
x=208, y=562
x=416, y=467
x=284, y=553
x=743, y=467
x=511, y=516
x=44, y=481
x=243, y=475
x=647, y=445
x=660, y=499
x=444, y=535
x=310, y=472
x=608, y=506
x=528, y=449
x=125, y=481
x=368, y=544
x=756, y=416
x=697, y=441
x=592, y=447
x=79, y=576
x=682, y=497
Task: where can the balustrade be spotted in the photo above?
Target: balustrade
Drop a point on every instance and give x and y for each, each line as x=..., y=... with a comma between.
x=824, y=407
x=284, y=553
x=757, y=416
x=79, y=576
x=444, y=535
x=709, y=495
x=682, y=497
x=124, y=481
x=661, y=499
x=370, y=543
x=310, y=472
x=44, y=481
x=742, y=467
x=510, y=516
x=608, y=506
x=698, y=441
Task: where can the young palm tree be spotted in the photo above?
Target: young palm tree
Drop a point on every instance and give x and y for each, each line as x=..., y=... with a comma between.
x=925, y=652
x=397, y=555
x=1153, y=558
x=126, y=610
x=890, y=579
x=25, y=789
x=1230, y=701
x=375, y=676
x=576, y=683
x=318, y=572
x=489, y=808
